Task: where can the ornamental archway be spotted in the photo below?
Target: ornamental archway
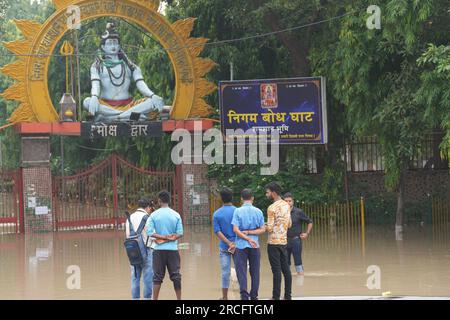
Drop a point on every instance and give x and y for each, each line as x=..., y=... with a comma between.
x=30, y=70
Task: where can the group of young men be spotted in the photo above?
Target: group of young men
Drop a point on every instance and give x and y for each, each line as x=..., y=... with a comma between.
x=238, y=230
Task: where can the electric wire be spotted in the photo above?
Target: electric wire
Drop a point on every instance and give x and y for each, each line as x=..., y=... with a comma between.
x=213, y=43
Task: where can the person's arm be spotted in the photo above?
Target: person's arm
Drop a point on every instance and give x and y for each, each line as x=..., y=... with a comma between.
x=236, y=228
x=290, y=220
x=159, y=236
x=218, y=230
x=151, y=231
x=127, y=229
x=240, y=234
x=222, y=237
x=256, y=232
x=270, y=220
x=305, y=235
x=179, y=231
x=305, y=218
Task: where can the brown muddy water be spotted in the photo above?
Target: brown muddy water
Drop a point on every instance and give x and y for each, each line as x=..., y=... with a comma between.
x=36, y=266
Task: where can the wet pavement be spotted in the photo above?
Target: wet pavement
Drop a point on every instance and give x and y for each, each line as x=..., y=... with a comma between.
x=40, y=266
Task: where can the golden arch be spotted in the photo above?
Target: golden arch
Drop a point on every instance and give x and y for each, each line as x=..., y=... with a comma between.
x=30, y=70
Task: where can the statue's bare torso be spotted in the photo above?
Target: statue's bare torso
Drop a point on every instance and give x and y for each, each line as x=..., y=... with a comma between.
x=110, y=91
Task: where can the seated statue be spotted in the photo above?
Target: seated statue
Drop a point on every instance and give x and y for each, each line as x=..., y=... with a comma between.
x=111, y=77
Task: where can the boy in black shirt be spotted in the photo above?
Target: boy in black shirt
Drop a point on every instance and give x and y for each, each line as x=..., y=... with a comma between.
x=295, y=234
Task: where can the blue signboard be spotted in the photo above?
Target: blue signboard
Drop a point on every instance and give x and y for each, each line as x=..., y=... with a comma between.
x=296, y=108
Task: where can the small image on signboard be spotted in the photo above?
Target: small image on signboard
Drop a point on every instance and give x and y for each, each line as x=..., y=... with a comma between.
x=269, y=95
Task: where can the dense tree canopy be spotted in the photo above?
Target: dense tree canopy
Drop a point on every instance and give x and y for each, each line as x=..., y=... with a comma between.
x=392, y=83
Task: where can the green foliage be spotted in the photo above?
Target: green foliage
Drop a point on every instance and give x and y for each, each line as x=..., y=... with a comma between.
x=434, y=92
x=292, y=179
x=380, y=210
x=374, y=74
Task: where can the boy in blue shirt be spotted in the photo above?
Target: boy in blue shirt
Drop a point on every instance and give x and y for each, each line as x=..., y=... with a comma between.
x=166, y=227
x=248, y=224
x=224, y=230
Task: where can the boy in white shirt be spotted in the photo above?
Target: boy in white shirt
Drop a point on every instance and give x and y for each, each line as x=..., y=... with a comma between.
x=145, y=208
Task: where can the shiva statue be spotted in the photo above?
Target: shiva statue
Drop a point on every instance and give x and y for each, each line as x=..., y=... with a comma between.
x=111, y=77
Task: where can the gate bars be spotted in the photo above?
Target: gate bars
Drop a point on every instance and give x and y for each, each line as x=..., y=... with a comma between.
x=98, y=197
x=11, y=202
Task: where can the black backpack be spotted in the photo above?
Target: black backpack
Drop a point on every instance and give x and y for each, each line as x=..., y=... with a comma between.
x=134, y=245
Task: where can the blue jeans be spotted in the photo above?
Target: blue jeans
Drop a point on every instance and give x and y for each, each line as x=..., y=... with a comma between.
x=294, y=248
x=225, y=265
x=253, y=256
x=147, y=271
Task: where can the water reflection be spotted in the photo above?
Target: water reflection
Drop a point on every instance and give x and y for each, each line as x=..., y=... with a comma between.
x=35, y=266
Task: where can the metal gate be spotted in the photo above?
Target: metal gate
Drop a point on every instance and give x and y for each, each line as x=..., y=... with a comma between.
x=98, y=197
x=10, y=202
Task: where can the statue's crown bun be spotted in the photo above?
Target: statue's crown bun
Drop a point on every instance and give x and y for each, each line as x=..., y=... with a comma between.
x=111, y=32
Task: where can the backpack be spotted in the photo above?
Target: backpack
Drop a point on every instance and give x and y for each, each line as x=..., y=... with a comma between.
x=134, y=245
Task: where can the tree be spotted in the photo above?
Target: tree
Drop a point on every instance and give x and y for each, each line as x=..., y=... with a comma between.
x=434, y=91
x=374, y=74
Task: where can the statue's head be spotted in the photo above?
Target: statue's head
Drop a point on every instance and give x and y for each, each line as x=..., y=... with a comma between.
x=111, y=40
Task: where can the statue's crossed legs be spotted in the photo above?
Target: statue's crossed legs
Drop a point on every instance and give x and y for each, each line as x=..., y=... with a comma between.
x=107, y=113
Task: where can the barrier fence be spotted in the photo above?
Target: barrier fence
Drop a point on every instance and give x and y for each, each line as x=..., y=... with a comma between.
x=337, y=225
x=343, y=223
x=441, y=220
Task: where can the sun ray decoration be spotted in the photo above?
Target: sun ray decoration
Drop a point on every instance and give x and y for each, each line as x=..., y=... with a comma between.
x=17, y=71
x=189, y=100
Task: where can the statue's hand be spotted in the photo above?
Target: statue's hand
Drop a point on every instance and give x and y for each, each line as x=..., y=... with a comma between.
x=158, y=102
x=94, y=105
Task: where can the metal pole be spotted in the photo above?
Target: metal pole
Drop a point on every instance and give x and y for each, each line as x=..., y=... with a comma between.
x=231, y=71
x=62, y=156
x=115, y=190
x=363, y=228
x=21, y=202
x=63, y=191
x=72, y=75
x=78, y=75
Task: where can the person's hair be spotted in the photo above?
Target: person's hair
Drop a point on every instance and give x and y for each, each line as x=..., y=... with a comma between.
x=227, y=195
x=288, y=195
x=247, y=194
x=164, y=197
x=274, y=187
x=144, y=203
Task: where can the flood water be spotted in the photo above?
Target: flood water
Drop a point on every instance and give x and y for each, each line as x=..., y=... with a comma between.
x=35, y=266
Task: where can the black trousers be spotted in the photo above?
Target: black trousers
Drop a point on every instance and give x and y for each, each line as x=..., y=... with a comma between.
x=169, y=259
x=278, y=259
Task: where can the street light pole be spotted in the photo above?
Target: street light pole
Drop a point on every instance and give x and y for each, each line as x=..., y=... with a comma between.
x=78, y=74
